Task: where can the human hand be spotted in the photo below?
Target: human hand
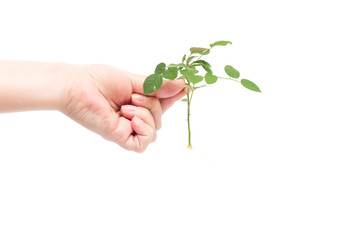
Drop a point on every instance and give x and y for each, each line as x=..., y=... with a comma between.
x=109, y=101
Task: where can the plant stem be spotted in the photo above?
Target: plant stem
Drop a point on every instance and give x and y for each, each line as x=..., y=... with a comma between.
x=188, y=120
x=230, y=79
x=188, y=115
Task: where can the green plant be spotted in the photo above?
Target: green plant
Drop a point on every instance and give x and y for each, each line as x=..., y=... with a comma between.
x=189, y=72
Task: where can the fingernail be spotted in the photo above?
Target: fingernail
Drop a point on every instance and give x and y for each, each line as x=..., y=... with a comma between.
x=139, y=97
x=128, y=108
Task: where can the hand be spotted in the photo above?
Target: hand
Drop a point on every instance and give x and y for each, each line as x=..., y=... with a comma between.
x=109, y=101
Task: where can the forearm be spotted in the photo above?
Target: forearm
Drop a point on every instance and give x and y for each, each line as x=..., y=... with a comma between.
x=28, y=85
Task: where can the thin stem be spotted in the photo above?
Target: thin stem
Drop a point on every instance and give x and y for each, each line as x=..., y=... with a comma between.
x=188, y=114
x=192, y=91
x=229, y=78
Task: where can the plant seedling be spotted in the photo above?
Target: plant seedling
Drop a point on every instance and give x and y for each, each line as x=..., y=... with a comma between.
x=188, y=69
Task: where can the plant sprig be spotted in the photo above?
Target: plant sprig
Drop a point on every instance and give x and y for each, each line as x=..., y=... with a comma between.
x=188, y=71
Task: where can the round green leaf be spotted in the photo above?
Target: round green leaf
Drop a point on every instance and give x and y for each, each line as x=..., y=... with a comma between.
x=250, y=85
x=170, y=73
x=210, y=79
x=152, y=83
x=195, y=78
x=160, y=68
x=186, y=72
x=232, y=72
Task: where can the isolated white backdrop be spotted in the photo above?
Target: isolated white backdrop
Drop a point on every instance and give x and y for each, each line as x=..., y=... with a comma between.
x=283, y=164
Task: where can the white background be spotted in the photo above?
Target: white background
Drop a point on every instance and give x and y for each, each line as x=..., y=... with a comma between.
x=283, y=164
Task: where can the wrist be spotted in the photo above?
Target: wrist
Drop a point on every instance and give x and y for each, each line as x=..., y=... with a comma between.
x=57, y=81
x=73, y=87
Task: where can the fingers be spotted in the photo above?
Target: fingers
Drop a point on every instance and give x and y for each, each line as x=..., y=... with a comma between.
x=140, y=122
x=151, y=103
x=125, y=137
x=143, y=129
x=130, y=111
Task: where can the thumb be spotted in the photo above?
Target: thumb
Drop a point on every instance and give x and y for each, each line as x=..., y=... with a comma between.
x=170, y=88
x=167, y=89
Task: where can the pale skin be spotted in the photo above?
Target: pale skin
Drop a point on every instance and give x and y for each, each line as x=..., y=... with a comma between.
x=102, y=98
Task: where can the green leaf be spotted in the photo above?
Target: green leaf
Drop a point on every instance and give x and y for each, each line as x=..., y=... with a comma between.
x=210, y=79
x=190, y=75
x=207, y=69
x=232, y=72
x=184, y=100
x=176, y=65
x=202, y=62
x=152, y=83
x=170, y=73
x=193, y=70
x=220, y=43
x=197, y=50
x=195, y=78
x=183, y=59
x=206, y=52
x=189, y=59
x=160, y=68
x=250, y=85
x=186, y=72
